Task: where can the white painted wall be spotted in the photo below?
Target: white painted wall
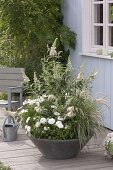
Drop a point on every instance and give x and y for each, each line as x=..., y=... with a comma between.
x=72, y=10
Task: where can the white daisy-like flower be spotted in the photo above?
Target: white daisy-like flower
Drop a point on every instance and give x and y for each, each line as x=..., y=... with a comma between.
x=51, y=121
x=28, y=129
x=37, y=124
x=51, y=97
x=23, y=111
x=28, y=119
x=56, y=113
x=43, y=120
x=60, y=118
x=59, y=124
x=44, y=95
x=45, y=128
x=41, y=99
x=66, y=127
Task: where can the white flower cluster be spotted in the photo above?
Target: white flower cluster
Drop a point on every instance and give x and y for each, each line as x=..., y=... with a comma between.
x=108, y=143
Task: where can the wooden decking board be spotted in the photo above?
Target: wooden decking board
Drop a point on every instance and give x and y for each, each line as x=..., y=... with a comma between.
x=23, y=155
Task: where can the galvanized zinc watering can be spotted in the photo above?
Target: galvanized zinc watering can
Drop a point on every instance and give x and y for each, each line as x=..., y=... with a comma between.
x=10, y=129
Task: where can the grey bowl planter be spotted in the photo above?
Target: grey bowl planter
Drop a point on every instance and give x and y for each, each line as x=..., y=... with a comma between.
x=58, y=149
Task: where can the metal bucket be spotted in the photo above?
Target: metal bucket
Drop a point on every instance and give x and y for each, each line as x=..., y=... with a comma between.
x=10, y=129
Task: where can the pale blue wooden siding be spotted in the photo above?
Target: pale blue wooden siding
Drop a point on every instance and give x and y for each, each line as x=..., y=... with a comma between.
x=103, y=83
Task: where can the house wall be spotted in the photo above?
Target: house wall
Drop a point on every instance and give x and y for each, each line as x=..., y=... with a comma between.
x=103, y=83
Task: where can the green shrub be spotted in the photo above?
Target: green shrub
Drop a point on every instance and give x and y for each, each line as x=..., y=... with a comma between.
x=26, y=27
x=3, y=167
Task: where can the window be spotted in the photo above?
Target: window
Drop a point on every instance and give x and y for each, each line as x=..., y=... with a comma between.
x=99, y=27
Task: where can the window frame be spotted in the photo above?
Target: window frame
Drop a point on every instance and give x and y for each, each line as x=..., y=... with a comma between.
x=88, y=45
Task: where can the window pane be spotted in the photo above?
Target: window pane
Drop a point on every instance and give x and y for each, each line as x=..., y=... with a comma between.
x=98, y=13
x=98, y=35
x=110, y=36
x=111, y=12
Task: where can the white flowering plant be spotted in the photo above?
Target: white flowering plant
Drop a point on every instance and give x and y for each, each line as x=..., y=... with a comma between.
x=61, y=106
x=108, y=143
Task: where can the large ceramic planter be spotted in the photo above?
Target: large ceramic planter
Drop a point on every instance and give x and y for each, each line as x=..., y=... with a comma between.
x=58, y=149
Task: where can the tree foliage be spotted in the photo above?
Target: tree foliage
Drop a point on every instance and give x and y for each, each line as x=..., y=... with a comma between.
x=26, y=27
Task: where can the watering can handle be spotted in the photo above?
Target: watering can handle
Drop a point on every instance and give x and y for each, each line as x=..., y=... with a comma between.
x=7, y=118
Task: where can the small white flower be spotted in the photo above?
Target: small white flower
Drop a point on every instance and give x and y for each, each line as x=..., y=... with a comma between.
x=70, y=109
x=45, y=128
x=51, y=97
x=56, y=113
x=44, y=95
x=37, y=124
x=60, y=118
x=43, y=120
x=23, y=111
x=38, y=109
x=70, y=114
x=53, y=107
x=66, y=127
x=41, y=99
x=28, y=129
x=51, y=121
x=28, y=119
x=59, y=124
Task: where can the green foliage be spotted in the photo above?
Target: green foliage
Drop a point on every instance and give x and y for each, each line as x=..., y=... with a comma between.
x=26, y=27
x=3, y=96
x=61, y=105
x=2, y=167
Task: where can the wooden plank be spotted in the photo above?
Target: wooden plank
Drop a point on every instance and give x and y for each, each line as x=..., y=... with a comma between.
x=107, y=92
x=20, y=153
x=10, y=83
x=12, y=76
x=15, y=145
x=7, y=70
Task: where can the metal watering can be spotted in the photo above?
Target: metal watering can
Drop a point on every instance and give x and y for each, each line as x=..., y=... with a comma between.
x=10, y=129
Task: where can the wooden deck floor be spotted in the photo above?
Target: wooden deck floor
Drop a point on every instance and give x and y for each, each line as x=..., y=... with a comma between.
x=23, y=155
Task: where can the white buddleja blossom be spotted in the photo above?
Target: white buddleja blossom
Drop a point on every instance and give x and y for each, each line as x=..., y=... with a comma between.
x=52, y=50
x=35, y=78
x=28, y=119
x=37, y=124
x=51, y=97
x=59, y=124
x=80, y=76
x=25, y=78
x=51, y=121
x=43, y=120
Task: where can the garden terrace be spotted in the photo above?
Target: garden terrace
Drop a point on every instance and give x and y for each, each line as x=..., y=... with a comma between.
x=22, y=154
